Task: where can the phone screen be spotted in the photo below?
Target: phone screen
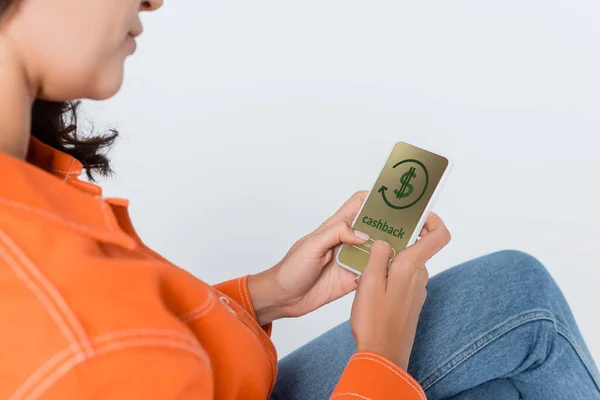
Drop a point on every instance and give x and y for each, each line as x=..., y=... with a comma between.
x=397, y=201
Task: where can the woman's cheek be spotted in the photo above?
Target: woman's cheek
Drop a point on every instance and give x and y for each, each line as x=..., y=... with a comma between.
x=94, y=72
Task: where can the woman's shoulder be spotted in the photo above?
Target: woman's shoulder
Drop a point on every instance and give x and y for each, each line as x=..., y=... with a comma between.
x=73, y=288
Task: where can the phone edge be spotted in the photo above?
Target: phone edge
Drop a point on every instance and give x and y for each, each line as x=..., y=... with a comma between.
x=422, y=220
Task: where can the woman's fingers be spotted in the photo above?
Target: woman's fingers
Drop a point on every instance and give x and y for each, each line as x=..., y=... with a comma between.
x=388, y=302
x=333, y=235
x=347, y=212
x=375, y=273
x=437, y=237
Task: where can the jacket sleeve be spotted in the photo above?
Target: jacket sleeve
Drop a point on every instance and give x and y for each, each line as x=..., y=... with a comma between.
x=367, y=375
x=374, y=377
x=237, y=289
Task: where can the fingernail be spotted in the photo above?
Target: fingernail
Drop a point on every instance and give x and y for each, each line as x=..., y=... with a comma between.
x=384, y=242
x=362, y=235
x=357, y=279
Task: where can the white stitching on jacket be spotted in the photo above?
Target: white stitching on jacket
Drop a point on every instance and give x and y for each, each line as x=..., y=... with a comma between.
x=350, y=394
x=420, y=392
x=70, y=363
x=44, y=297
x=62, y=356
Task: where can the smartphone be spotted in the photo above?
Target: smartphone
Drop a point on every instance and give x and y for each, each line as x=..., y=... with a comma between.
x=398, y=204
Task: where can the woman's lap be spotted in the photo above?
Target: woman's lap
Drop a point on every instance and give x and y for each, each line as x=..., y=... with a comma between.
x=495, y=323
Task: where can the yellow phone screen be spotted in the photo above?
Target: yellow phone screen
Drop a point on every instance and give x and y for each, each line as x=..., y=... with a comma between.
x=396, y=202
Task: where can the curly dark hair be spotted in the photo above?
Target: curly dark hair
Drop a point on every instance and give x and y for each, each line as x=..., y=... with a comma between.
x=55, y=123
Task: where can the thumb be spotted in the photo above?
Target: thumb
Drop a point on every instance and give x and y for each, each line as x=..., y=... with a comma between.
x=375, y=272
x=333, y=235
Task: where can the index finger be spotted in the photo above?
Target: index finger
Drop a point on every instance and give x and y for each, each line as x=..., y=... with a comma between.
x=347, y=212
x=437, y=237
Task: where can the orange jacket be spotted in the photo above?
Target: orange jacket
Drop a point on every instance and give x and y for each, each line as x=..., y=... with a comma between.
x=88, y=311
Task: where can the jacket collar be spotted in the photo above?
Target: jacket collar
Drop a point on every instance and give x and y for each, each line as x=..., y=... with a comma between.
x=46, y=186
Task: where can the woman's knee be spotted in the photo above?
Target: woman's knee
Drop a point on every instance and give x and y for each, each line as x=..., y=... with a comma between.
x=521, y=270
x=507, y=280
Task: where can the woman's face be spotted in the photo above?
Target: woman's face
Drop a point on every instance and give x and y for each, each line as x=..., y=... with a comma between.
x=74, y=48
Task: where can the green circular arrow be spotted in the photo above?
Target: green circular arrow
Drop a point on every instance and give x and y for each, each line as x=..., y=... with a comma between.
x=382, y=189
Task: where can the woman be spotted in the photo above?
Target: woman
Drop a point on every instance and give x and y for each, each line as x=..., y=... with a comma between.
x=88, y=311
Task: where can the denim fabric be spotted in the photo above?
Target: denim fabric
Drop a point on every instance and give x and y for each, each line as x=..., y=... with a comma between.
x=496, y=327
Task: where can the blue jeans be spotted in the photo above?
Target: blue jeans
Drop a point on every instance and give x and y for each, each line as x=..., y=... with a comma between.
x=496, y=327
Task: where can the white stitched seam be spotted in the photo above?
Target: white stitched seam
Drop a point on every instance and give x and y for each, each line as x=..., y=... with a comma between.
x=198, y=309
x=394, y=368
x=420, y=392
x=199, y=315
x=262, y=333
x=381, y=358
x=59, y=301
x=249, y=299
x=389, y=363
x=42, y=297
x=68, y=172
x=350, y=394
x=40, y=373
x=49, y=215
x=114, y=346
x=69, y=168
x=265, y=336
x=63, y=355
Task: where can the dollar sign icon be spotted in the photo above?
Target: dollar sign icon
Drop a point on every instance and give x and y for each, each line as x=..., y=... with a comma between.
x=406, y=189
x=414, y=182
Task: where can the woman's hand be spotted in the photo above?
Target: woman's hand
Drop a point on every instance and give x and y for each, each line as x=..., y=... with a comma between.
x=309, y=277
x=389, y=299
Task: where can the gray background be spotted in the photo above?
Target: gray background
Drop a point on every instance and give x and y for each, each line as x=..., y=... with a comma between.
x=271, y=114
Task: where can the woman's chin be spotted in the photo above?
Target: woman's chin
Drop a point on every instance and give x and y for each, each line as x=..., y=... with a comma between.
x=108, y=86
